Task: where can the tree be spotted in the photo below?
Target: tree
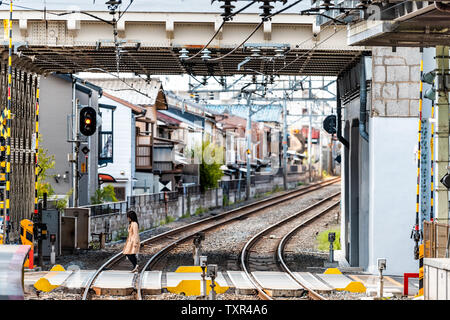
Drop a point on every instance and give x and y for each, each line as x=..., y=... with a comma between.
x=45, y=163
x=212, y=160
x=106, y=194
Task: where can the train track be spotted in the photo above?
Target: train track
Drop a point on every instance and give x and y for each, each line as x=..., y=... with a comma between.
x=156, y=247
x=267, y=241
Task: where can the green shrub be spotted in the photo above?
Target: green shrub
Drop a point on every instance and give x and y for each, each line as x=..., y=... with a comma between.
x=169, y=219
x=199, y=211
x=210, y=173
x=106, y=194
x=122, y=232
x=225, y=200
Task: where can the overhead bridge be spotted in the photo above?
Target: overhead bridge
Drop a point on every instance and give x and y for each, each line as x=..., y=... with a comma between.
x=150, y=43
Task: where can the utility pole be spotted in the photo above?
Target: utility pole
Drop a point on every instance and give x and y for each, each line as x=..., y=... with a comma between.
x=249, y=144
x=285, y=142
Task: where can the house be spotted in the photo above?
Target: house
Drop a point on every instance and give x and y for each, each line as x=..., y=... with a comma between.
x=159, y=135
x=117, y=140
x=61, y=98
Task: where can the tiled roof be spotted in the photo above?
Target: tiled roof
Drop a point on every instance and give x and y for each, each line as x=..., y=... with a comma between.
x=123, y=102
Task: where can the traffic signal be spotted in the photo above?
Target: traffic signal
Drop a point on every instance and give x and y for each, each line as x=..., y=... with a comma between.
x=88, y=121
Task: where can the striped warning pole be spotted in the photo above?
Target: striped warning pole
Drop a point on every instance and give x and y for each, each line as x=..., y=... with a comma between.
x=8, y=129
x=36, y=152
x=416, y=233
x=421, y=255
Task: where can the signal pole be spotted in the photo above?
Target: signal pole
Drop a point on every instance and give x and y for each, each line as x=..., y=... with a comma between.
x=285, y=142
x=249, y=144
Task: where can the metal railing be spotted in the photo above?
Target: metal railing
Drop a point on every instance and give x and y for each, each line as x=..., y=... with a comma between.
x=108, y=208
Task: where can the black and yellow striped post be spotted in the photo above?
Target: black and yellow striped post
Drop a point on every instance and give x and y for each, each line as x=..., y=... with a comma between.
x=36, y=167
x=416, y=233
x=421, y=256
x=8, y=130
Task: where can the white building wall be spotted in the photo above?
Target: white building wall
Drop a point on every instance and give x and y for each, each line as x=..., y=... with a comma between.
x=121, y=168
x=393, y=177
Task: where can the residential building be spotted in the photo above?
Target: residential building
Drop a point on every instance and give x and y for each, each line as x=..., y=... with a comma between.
x=61, y=99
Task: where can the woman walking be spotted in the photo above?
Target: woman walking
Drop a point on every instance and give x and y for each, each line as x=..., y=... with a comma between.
x=133, y=243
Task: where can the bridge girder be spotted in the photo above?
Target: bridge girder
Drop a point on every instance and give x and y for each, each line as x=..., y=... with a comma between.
x=150, y=43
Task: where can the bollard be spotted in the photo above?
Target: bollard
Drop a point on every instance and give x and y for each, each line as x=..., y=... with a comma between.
x=212, y=273
x=381, y=267
x=52, y=254
x=203, y=261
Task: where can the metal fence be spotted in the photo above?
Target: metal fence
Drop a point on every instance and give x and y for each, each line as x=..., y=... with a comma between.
x=436, y=239
x=108, y=208
x=136, y=201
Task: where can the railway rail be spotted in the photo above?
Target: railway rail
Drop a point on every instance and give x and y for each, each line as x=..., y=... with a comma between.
x=161, y=244
x=284, y=230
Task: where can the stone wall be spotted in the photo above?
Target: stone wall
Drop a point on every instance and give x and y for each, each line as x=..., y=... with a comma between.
x=395, y=82
x=152, y=214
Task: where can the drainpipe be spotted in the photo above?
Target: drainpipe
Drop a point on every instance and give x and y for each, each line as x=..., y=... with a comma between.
x=339, y=118
x=363, y=102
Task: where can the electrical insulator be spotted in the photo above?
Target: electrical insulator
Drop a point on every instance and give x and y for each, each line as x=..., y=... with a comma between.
x=227, y=9
x=267, y=8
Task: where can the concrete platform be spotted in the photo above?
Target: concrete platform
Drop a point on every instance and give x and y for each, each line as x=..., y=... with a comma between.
x=312, y=282
x=241, y=283
x=78, y=280
x=371, y=282
x=335, y=281
x=117, y=283
x=57, y=278
x=151, y=282
x=278, y=284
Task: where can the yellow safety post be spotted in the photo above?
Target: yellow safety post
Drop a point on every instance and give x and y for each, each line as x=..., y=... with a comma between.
x=354, y=286
x=421, y=256
x=44, y=285
x=8, y=130
x=332, y=271
x=57, y=267
x=192, y=287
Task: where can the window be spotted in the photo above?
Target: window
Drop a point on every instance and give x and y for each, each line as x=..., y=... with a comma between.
x=105, y=136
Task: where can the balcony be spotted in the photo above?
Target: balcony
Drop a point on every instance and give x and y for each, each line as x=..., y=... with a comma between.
x=144, y=152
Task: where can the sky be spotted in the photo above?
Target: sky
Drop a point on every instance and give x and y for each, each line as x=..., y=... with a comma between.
x=152, y=5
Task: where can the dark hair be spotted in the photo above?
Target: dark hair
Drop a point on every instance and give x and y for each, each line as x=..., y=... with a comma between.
x=132, y=215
